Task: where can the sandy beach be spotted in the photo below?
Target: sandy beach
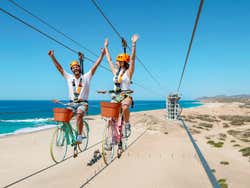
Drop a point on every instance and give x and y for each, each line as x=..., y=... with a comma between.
x=160, y=153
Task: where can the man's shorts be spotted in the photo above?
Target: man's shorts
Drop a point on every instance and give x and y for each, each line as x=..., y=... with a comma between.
x=79, y=106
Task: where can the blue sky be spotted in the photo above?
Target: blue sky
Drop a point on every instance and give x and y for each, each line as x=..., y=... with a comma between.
x=218, y=63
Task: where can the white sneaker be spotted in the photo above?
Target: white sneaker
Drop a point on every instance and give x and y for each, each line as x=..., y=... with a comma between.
x=79, y=139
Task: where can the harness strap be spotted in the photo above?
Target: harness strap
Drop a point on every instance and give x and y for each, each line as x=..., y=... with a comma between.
x=84, y=101
x=124, y=45
x=81, y=58
x=77, y=91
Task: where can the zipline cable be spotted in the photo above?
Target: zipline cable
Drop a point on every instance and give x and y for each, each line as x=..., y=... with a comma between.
x=190, y=44
x=60, y=43
x=119, y=35
x=47, y=36
x=106, y=18
x=52, y=27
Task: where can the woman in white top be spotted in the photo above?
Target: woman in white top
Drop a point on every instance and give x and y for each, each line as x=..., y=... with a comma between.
x=123, y=73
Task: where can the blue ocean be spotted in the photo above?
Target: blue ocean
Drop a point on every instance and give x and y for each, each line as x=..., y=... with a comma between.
x=17, y=116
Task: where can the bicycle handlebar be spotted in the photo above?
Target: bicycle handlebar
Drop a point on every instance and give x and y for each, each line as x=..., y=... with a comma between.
x=70, y=104
x=113, y=91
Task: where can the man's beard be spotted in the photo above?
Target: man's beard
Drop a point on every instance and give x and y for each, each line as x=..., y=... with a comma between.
x=77, y=73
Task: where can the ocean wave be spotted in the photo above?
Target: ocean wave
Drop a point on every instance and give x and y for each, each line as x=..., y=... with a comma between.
x=33, y=129
x=35, y=120
x=28, y=130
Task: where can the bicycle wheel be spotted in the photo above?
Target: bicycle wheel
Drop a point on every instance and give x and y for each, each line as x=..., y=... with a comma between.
x=58, y=145
x=108, y=144
x=85, y=137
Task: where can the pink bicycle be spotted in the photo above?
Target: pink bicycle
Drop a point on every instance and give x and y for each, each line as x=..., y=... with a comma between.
x=114, y=132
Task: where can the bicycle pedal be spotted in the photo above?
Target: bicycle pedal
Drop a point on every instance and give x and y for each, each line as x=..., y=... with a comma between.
x=99, y=156
x=90, y=163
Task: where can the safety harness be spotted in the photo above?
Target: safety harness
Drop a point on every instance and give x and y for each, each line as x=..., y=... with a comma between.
x=118, y=80
x=77, y=90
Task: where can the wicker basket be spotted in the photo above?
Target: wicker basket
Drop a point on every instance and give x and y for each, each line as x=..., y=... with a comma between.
x=110, y=109
x=62, y=114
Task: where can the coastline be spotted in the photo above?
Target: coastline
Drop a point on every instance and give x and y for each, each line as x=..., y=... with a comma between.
x=25, y=131
x=140, y=107
x=171, y=153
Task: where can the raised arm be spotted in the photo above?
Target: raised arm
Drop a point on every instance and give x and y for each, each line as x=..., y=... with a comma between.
x=111, y=64
x=98, y=61
x=132, y=59
x=58, y=66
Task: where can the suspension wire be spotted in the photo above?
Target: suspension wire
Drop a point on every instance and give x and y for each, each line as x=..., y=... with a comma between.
x=60, y=43
x=106, y=18
x=151, y=90
x=48, y=36
x=119, y=35
x=39, y=31
x=190, y=44
x=51, y=27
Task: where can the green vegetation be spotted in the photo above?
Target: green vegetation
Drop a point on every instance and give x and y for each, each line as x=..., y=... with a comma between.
x=236, y=145
x=235, y=119
x=222, y=136
x=233, y=132
x=232, y=141
x=215, y=144
x=245, y=151
x=245, y=140
x=225, y=125
x=206, y=117
x=213, y=170
x=218, y=144
x=243, y=135
x=222, y=183
x=237, y=122
x=207, y=125
x=194, y=131
x=224, y=163
x=246, y=105
x=189, y=119
x=222, y=139
x=210, y=142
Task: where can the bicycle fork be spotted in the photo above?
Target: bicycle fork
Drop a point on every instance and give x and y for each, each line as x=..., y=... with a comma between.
x=71, y=139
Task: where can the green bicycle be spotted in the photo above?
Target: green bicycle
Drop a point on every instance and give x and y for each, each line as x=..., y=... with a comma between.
x=65, y=134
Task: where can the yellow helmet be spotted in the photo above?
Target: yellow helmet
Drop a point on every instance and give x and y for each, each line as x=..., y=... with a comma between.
x=123, y=57
x=74, y=63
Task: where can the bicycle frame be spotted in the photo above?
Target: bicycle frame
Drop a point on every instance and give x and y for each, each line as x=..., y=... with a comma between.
x=70, y=133
x=117, y=125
